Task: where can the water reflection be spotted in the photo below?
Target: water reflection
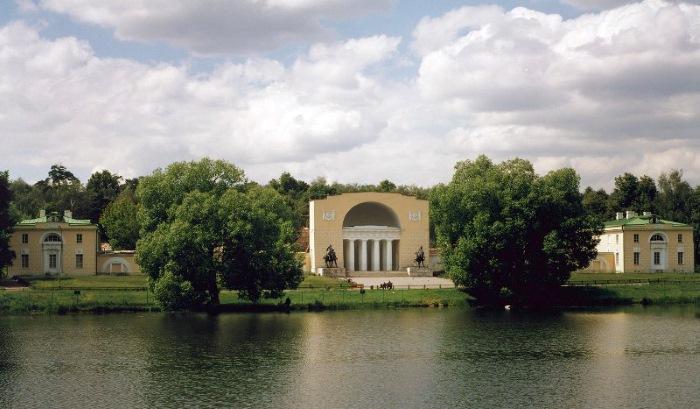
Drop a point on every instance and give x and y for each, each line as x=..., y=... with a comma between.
x=628, y=357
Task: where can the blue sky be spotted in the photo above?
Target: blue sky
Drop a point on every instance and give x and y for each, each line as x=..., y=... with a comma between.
x=355, y=91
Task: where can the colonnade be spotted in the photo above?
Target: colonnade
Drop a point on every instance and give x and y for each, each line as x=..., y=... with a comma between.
x=370, y=254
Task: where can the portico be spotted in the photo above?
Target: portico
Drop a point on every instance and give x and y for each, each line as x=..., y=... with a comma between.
x=370, y=232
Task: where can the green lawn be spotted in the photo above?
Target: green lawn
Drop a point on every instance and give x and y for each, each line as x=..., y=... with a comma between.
x=128, y=293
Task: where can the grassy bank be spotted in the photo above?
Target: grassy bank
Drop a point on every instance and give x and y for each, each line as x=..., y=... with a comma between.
x=129, y=293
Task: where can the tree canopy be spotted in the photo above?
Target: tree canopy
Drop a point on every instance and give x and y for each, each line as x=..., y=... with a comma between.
x=202, y=226
x=507, y=234
x=7, y=223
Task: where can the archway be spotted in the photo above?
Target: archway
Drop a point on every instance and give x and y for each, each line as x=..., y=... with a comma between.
x=371, y=238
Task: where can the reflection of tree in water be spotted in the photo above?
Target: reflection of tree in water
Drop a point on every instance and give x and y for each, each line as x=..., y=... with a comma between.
x=246, y=356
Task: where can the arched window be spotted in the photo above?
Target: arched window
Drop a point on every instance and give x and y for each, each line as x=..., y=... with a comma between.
x=54, y=238
x=657, y=237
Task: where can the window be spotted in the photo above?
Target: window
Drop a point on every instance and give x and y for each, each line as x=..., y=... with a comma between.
x=617, y=238
x=79, y=238
x=657, y=237
x=657, y=258
x=78, y=261
x=53, y=238
x=52, y=261
x=680, y=238
x=680, y=258
x=25, y=260
x=636, y=258
x=25, y=238
x=636, y=238
x=617, y=258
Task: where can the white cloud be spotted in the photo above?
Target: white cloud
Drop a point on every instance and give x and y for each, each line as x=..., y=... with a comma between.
x=606, y=93
x=215, y=27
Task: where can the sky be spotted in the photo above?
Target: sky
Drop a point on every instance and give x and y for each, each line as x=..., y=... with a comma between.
x=355, y=91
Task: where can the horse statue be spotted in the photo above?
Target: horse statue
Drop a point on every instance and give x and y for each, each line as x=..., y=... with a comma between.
x=420, y=257
x=330, y=258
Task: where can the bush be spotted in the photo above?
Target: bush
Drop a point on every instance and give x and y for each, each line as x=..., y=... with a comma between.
x=173, y=293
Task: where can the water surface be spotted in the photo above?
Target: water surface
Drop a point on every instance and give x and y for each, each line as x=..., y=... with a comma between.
x=416, y=358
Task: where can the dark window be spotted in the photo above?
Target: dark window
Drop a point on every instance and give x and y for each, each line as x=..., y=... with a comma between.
x=78, y=261
x=636, y=258
x=680, y=238
x=657, y=258
x=25, y=238
x=25, y=260
x=79, y=238
x=636, y=238
x=52, y=261
x=657, y=237
x=680, y=258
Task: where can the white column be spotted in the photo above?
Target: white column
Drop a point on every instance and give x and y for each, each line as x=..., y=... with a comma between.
x=388, y=251
x=375, y=255
x=351, y=255
x=363, y=255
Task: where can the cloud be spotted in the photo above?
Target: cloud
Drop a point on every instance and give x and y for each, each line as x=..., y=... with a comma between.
x=535, y=84
x=217, y=27
x=606, y=93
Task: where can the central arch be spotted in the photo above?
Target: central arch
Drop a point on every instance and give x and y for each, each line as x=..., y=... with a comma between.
x=371, y=237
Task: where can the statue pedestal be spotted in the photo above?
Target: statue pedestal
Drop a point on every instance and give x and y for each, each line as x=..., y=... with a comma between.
x=419, y=272
x=331, y=272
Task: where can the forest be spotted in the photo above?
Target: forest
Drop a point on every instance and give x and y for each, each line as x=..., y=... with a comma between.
x=110, y=201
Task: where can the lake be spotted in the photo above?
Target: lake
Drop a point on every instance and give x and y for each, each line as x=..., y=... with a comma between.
x=416, y=358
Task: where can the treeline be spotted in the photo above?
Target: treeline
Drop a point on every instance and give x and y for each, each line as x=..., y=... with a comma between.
x=109, y=200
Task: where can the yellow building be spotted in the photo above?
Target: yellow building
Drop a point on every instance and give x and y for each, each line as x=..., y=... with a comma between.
x=54, y=244
x=632, y=243
x=370, y=231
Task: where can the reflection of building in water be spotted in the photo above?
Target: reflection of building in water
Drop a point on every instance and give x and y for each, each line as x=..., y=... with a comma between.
x=369, y=231
x=60, y=244
x=646, y=243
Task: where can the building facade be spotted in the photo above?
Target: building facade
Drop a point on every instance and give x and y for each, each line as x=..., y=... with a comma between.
x=644, y=243
x=369, y=231
x=59, y=244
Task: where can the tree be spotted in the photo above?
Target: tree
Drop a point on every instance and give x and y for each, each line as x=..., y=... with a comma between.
x=386, y=186
x=27, y=200
x=7, y=223
x=63, y=191
x=201, y=225
x=597, y=203
x=675, y=197
x=102, y=188
x=120, y=221
x=626, y=192
x=296, y=196
x=508, y=235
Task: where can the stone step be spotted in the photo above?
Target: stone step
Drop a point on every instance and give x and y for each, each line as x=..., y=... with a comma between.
x=377, y=274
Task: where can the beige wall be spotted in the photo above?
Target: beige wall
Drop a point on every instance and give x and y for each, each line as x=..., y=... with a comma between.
x=622, y=246
x=68, y=248
x=329, y=225
x=117, y=262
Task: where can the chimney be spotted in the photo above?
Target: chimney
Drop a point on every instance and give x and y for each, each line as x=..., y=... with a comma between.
x=68, y=214
x=618, y=216
x=42, y=213
x=630, y=214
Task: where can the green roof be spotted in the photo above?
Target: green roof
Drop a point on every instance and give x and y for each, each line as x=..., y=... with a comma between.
x=643, y=221
x=61, y=219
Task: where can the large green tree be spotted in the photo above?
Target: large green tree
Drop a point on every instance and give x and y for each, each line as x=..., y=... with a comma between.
x=508, y=235
x=102, y=188
x=202, y=226
x=120, y=221
x=7, y=223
